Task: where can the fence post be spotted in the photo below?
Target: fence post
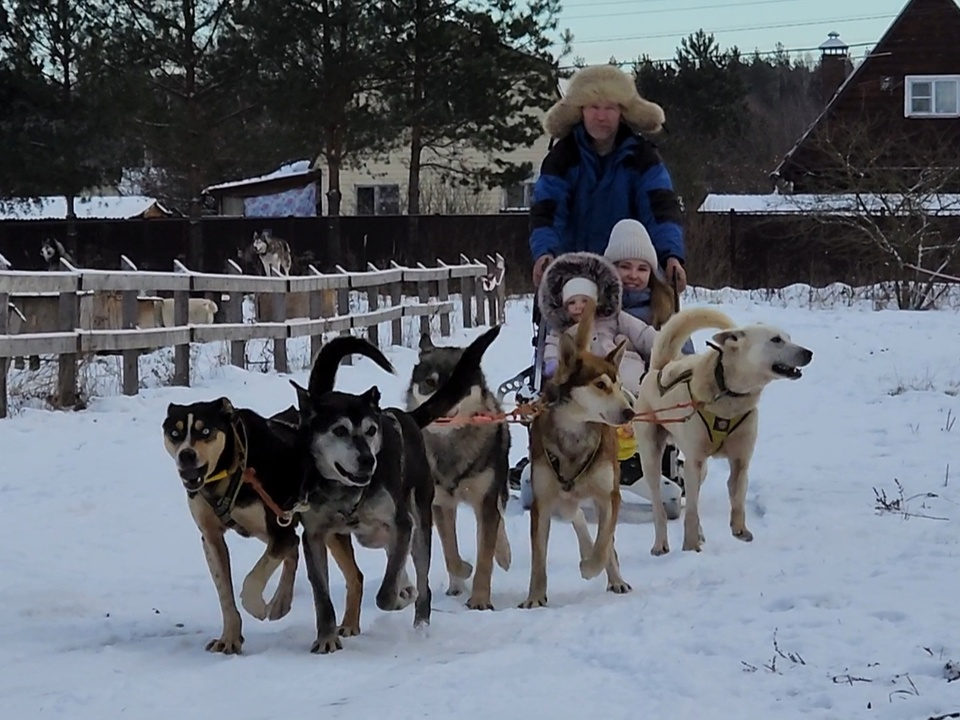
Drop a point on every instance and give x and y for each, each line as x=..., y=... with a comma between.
x=443, y=294
x=128, y=321
x=67, y=320
x=278, y=313
x=181, y=317
x=343, y=308
x=502, y=287
x=317, y=311
x=466, y=295
x=233, y=313
x=423, y=292
x=4, y=362
x=481, y=297
x=396, y=299
x=373, y=303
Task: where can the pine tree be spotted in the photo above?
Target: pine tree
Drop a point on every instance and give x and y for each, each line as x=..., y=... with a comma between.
x=317, y=61
x=463, y=84
x=60, y=121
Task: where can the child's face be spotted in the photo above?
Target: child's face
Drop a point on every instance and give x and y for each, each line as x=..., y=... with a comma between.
x=576, y=305
x=635, y=274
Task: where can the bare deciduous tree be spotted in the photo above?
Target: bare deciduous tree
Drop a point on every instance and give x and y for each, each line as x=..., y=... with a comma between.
x=896, y=195
x=438, y=196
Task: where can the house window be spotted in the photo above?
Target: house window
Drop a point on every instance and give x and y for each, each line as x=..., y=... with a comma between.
x=517, y=197
x=931, y=96
x=378, y=200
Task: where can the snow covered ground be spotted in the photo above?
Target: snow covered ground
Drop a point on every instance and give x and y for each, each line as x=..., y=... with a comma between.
x=836, y=610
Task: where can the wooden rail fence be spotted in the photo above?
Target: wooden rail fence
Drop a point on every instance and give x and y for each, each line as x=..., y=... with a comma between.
x=324, y=308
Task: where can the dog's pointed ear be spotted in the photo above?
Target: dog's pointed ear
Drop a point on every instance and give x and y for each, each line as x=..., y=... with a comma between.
x=725, y=337
x=226, y=408
x=372, y=397
x=616, y=355
x=585, y=326
x=426, y=344
x=568, y=357
x=304, y=401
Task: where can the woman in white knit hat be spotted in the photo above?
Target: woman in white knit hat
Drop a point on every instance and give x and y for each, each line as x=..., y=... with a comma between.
x=645, y=294
x=602, y=169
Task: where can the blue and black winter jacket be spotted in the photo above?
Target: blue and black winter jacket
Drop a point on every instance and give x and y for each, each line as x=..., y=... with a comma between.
x=580, y=196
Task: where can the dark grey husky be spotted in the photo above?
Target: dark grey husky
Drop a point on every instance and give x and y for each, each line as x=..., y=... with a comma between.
x=366, y=474
x=470, y=464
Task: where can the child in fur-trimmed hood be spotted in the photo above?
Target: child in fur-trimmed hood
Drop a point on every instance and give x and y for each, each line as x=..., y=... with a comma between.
x=567, y=284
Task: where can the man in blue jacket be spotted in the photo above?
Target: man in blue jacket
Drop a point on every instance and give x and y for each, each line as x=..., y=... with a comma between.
x=601, y=170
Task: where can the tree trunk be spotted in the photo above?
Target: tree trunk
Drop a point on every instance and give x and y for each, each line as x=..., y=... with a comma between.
x=416, y=130
x=335, y=250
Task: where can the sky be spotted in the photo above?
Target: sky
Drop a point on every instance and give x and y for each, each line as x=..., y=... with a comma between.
x=627, y=29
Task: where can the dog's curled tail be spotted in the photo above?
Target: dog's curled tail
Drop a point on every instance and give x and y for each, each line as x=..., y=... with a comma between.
x=323, y=376
x=679, y=327
x=458, y=384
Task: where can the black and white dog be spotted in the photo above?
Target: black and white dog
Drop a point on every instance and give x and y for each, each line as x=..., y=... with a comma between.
x=52, y=250
x=366, y=474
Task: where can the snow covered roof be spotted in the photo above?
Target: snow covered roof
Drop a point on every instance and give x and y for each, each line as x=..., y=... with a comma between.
x=823, y=204
x=119, y=207
x=300, y=167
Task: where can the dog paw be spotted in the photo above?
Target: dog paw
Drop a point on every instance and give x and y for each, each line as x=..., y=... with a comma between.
x=349, y=630
x=253, y=603
x=456, y=587
x=324, y=646
x=659, y=549
x=479, y=604
x=590, y=568
x=503, y=555
x=619, y=587
x=744, y=535
x=533, y=602
x=464, y=570
x=693, y=545
x=389, y=602
x=279, y=606
x=226, y=645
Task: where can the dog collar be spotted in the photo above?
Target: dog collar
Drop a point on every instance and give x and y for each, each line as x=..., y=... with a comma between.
x=223, y=504
x=719, y=376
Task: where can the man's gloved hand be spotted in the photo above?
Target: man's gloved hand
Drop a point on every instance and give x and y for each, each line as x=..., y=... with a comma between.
x=538, y=267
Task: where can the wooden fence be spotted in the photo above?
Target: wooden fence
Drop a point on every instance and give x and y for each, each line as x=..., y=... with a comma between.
x=324, y=307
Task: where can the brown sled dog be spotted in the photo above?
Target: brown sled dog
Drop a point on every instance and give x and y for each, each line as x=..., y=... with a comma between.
x=574, y=458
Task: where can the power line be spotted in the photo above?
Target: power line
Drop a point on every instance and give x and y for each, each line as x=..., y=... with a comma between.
x=760, y=53
x=676, y=9
x=684, y=33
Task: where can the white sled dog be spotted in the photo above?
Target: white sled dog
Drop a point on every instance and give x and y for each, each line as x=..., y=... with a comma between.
x=724, y=384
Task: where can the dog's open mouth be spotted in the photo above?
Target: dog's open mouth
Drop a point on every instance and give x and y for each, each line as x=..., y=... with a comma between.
x=192, y=477
x=352, y=478
x=787, y=371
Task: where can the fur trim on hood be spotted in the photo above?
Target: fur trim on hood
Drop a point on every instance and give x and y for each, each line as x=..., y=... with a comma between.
x=603, y=83
x=579, y=264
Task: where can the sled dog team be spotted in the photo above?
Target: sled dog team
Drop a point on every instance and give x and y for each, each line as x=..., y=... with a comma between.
x=343, y=467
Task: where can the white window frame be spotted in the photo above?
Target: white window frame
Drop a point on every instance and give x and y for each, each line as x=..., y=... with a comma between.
x=527, y=186
x=908, y=96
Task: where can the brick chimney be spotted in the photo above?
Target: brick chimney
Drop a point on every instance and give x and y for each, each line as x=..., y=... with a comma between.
x=835, y=65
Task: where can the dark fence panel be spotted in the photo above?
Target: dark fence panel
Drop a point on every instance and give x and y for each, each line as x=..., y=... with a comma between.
x=154, y=244
x=739, y=251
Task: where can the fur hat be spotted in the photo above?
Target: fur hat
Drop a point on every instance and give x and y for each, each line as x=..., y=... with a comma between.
x=586, y=265
x=579, y=286
x=629, y=240
x=603, y=83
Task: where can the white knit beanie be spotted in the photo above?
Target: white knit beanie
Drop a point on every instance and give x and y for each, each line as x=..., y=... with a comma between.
x=629, y=240
x=579, y=286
